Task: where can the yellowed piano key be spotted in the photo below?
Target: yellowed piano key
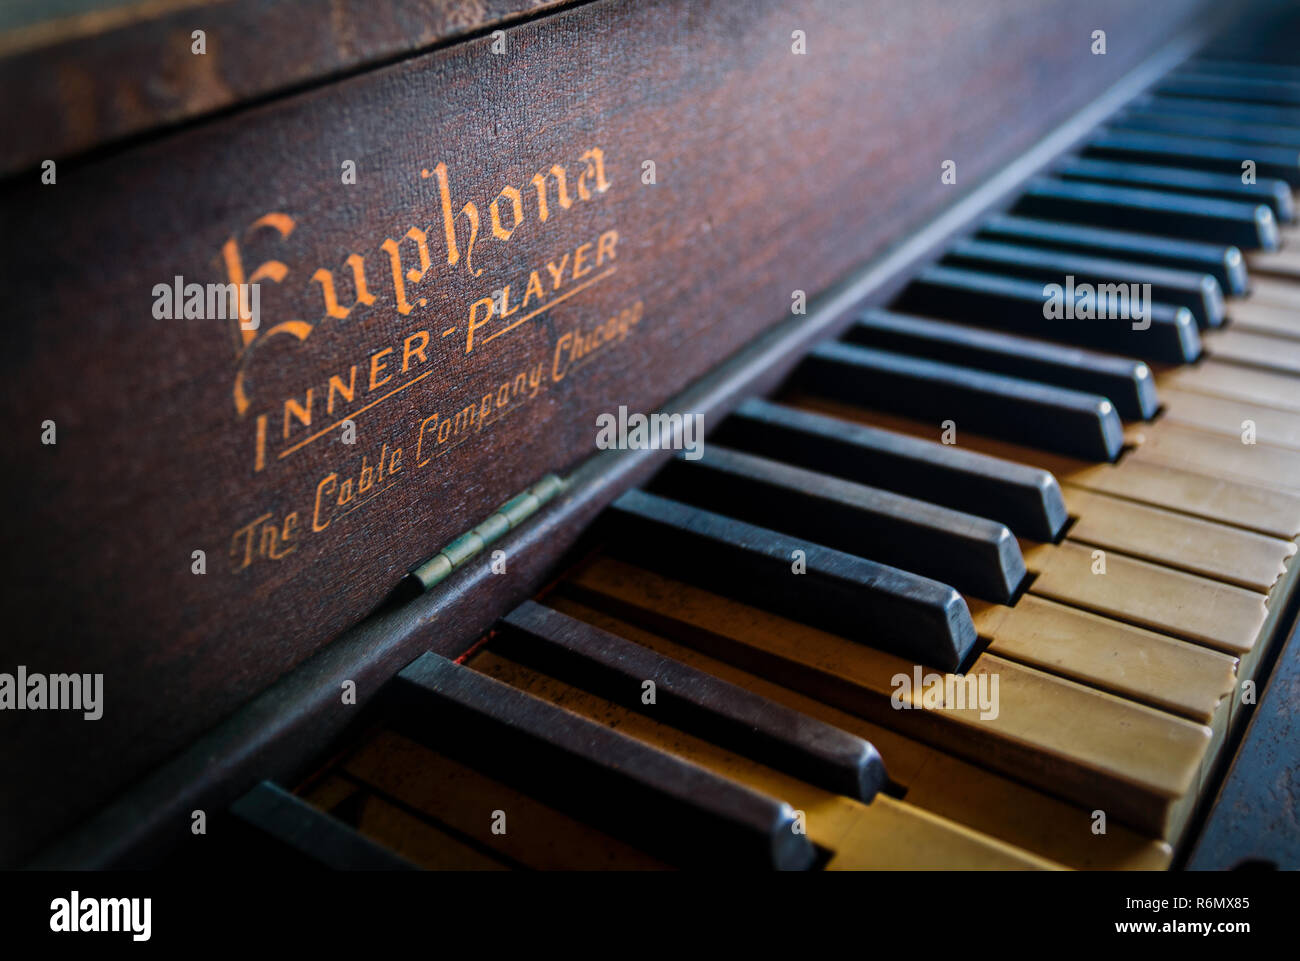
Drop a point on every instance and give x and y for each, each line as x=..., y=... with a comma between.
x=861, y=836
x=1229, y=554
x=418, y=841
x=1221, y=499
x=1282, y=263
x=1272, y=291
x=1263, y=318
x=1179, y=445
x=1216, y=498
x=890, y=835
x=937, y=782
x=1132, y=662
x=1222, y=379
x=1221, y=616
x=1080, y=743
x=537, y=835
x=1232, y=418
x=1247, y=347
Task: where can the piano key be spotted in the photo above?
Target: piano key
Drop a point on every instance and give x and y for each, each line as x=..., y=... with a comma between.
x=1222, y=616
x=884, y=834
x=1222, y=415
x=1273, y=193
x=1224, y=263
x=461, y=801
x=1020, y=306
x=869, y=602
x=1186, y=489
x=1258, y=317
x=1248, y=226
x=1217, y=87
x=974, y=555
x=605, y=777
x=1237, y=111
x=1069, y=421
x=1273, y=292
x=936, y=782
x=1141, y=665
x=1127, y=383
x=1132, y=662
x=1199, y=153
x=1209, y=66
x=1243, y=558
x=1236, y=383
x=406, y=834
x=1081, y=744
x=689, y=699
x=1180, y=446
x=1028, y=501
x=309, y=835
x=1278, y=354
x=1190, y=126
x=1199, y=293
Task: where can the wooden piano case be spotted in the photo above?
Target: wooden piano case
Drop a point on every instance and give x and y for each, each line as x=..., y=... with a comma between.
x=475, y=227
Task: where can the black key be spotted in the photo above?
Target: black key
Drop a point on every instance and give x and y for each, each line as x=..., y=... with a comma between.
x=874, y=604
x=1166, y=334
x=660, y=802
x=691, y=700
x=1127, y=383
x=973, y=554
x=1208, y=66
x=1218, y=87
x=1188, y=125
x=1217, y=156
x=1199, y=293
x=1221, y=110
x=306, y=836
x=1250, y=227
x=1023, y=411
x=1026, y=499
x=1224, y=263
x=1275, y=194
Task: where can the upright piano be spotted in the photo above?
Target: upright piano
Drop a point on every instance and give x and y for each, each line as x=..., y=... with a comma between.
x=599, y=435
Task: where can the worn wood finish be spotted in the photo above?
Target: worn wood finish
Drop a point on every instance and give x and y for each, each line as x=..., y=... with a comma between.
x=75, y=82
x=152, y=444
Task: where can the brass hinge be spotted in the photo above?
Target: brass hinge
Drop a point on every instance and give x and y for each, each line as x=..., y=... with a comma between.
x=506, y=517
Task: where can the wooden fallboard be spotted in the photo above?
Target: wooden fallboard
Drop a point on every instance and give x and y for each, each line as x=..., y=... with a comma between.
x=774, y=172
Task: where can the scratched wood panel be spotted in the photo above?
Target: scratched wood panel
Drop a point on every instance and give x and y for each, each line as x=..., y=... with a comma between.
x=76, y=74
x=774, y=172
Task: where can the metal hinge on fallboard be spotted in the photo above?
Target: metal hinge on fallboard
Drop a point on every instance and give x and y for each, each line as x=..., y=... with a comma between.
x=504, y=519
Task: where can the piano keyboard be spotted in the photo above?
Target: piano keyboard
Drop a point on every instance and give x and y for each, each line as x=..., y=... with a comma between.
x=979, y=588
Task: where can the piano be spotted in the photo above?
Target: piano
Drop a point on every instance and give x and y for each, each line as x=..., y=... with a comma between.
x=607, y=435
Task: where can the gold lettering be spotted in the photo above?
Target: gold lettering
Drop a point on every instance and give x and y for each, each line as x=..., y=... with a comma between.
x=303, y=414
x=408, y=351
x=336, y=385
x=516, y=207
x=578, y=256
x=326, y=280
x=376, y=367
